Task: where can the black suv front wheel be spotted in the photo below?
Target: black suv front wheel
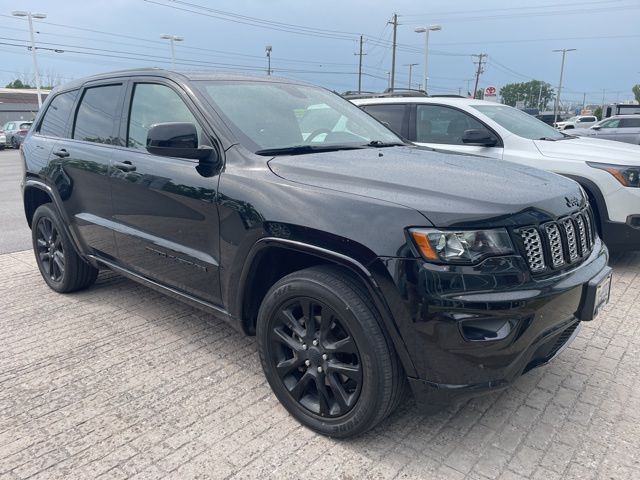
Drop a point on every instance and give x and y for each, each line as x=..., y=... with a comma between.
x=324, y=352
x=61, y=267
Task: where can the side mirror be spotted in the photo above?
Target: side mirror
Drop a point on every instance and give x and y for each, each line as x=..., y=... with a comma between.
x=178, y=140
x=596, y=127
x=479, y=137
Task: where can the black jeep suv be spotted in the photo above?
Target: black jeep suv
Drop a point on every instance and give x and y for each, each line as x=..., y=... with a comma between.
x=361, y=263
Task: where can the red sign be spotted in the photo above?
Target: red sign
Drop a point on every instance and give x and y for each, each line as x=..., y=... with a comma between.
x=490, y=91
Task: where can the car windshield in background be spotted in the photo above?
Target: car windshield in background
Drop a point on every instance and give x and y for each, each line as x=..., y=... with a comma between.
x=519, y=122
x=270, y=116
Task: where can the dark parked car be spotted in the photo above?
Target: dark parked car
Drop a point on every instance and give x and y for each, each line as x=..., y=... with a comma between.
x=15, y=132
x=361, y=263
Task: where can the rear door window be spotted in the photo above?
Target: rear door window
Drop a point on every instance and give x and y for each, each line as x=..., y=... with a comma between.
x=97, y=115
x=393, y=115
x=55, y=119
x=630, y=123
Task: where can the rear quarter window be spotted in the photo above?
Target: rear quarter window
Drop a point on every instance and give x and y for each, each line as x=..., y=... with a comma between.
x=54, y=122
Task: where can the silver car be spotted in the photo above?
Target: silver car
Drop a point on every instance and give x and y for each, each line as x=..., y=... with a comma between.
x=621, y=128
x=15, y=131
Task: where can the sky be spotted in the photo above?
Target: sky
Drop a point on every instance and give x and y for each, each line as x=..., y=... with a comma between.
x=318, y=41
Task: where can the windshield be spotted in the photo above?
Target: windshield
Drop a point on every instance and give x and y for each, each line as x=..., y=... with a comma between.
x=269, y=115
x=519, y=123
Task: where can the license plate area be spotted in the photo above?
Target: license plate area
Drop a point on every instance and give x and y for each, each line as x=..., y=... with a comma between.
x=596, y=296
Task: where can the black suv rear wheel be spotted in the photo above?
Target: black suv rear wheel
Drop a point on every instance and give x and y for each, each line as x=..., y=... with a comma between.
x=61, y=267
x=324, y=353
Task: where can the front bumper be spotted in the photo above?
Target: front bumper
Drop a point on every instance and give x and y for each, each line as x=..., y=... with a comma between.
x=476, y=329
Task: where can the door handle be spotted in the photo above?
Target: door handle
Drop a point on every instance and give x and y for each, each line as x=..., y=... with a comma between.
x=125, y=166
x=62, y=153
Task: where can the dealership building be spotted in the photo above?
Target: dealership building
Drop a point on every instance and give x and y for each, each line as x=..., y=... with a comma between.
x=19, y=104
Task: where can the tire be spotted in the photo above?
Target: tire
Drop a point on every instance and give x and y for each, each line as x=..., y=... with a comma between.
x=353, y=378
x=59, y=264
x=14, y=144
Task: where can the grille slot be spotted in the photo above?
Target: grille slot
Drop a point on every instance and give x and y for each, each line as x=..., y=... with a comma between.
x=556, y=245
x=533, y=249
x=582, y=233
x=572, y=243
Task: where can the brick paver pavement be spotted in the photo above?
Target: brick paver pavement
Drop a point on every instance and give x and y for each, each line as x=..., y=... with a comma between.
x=121, y=382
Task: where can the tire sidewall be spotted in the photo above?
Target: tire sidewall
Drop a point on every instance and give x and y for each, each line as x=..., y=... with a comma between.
x=367, y=405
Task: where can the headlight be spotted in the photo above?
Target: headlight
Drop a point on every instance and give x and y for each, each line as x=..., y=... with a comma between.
x=627, y=176
x=461, y=247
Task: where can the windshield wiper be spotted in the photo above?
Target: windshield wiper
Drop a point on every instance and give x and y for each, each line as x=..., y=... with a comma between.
x=548, y=139
x=381, y=144
x=302, y=149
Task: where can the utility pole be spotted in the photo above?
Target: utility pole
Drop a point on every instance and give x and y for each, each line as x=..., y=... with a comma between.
x=557, y=102
x=584, y=100
x=392, y=80
x=268, y=49
x=602, y=108
x=410, y=65
x=540, y=96
x=360, y=65
x=478, y=72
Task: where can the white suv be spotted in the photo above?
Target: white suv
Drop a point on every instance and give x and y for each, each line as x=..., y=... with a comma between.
x=608, y=171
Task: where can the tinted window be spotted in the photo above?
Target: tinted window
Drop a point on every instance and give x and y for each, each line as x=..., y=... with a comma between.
x=55, y=119
x=151, y=104
x=438, y=124
x=393, y=115
x=96, y=117
x=587, y=119
x=630, y=122
x=25, y=126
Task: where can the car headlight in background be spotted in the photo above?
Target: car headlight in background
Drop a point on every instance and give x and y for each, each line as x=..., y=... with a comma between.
x=461, y=247
x=627, y=176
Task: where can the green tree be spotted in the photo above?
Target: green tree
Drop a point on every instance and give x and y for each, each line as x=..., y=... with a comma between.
x=598, y=113
x=636, y=92
x=18, y=84
x=480, y=94
x=530, y=92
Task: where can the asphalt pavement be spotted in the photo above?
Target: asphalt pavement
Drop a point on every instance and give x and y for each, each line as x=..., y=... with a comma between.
x=14, y=231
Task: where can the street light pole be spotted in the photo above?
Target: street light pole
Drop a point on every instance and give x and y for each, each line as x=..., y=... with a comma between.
x=268, y=49
x=410, y=65
x=426, y=30
x=557, y=102
x=172, y=39
x=30, y=16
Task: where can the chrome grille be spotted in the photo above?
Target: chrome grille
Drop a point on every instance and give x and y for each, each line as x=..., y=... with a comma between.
x=572, y=243
x=556, y=245
x=533, y=249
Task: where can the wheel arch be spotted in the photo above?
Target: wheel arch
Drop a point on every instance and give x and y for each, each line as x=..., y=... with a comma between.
x=595, y=196
x=270, y=251
x=36, y=193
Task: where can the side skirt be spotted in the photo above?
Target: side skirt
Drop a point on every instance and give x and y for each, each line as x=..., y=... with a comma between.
x=210, y=308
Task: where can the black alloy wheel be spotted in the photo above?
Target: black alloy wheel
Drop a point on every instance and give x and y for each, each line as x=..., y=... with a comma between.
x=49, y=249
x=316, y=357
x=325, y=352
x=60, y=265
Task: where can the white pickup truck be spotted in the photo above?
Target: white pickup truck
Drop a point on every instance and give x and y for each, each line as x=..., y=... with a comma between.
x=579, y=121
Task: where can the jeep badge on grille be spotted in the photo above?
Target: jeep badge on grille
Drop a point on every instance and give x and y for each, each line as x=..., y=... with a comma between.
x=572, y=201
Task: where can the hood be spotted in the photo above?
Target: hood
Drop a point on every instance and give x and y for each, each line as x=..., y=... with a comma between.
x=591, y=149
x=448, y=189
